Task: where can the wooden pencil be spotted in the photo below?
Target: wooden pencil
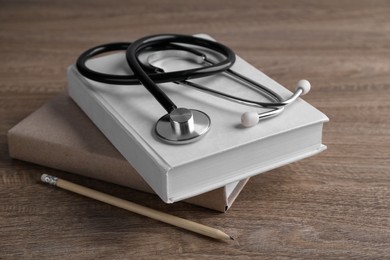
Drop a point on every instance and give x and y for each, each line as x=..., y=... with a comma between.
x=133, y=207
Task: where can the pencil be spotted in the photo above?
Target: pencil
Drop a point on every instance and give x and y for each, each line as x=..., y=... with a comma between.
x=133, y=207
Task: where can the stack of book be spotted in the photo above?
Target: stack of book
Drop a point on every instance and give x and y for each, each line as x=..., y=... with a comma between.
x=59, y=135
x=210, y=172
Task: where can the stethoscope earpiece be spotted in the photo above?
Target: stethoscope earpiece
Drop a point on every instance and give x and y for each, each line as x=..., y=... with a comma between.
x=249, y=119
x=304, y=85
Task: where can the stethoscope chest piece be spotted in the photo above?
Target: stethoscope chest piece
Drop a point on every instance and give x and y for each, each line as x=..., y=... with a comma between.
x=183, y=126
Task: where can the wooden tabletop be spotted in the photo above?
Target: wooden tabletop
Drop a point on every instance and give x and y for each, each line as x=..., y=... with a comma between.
x=333, y=205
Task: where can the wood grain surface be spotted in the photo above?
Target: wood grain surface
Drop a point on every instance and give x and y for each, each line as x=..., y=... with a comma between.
x=334, y=205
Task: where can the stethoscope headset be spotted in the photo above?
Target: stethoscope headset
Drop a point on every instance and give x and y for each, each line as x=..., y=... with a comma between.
x=183, y=125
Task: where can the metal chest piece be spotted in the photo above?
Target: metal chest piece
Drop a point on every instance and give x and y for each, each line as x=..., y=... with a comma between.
x=183, y=126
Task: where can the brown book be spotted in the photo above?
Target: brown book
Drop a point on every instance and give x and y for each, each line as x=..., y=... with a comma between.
x=59, y=135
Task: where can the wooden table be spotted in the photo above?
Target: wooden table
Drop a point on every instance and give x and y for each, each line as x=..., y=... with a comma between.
x=336, y=204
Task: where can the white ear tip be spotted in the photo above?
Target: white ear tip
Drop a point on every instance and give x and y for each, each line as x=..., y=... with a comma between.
x=304, y=85
x=249, y=119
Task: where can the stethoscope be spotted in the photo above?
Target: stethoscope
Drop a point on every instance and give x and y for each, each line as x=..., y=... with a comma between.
x=184, y=125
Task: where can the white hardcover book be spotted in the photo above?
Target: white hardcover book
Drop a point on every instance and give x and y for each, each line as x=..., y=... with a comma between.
x=228, y=153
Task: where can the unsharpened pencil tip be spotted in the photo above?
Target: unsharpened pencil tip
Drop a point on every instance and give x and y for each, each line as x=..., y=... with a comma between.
x=43, y=177
x=49, y=179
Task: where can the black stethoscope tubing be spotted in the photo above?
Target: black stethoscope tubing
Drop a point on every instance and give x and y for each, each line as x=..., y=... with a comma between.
x=149, y=79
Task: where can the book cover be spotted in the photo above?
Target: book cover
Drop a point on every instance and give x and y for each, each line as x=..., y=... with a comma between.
x=228, y=153
x=59, y=135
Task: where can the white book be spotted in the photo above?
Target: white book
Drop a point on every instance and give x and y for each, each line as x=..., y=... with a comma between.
x=227, y=154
